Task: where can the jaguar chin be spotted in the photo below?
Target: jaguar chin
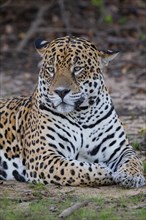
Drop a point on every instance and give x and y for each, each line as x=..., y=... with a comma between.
x=64, y=108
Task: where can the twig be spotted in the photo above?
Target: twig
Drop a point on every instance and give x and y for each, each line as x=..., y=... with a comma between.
x=139, y=206
x=5, y=4
x=59, y=30
x=71, y=209
x=34, y=25
x=116, y=40
x=64, y=15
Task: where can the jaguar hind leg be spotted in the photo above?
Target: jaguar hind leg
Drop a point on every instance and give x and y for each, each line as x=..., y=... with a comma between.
x=130, y=173
x=12, y=169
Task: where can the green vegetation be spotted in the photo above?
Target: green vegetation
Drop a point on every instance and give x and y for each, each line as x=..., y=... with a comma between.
x=46, y=205
x=108, y=19
x=144, y=164
x=142, y=131
x=122, y=20
x=98, y=3
x=136, y=145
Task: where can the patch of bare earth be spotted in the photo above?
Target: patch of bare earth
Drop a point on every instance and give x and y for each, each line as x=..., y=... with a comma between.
x=24, y=192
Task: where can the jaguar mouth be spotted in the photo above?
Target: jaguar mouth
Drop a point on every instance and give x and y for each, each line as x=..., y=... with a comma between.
x=64, y=108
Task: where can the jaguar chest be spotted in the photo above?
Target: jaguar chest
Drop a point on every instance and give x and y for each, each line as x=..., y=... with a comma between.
x=72, y=140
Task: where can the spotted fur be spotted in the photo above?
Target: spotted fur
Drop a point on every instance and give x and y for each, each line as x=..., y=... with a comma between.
x=67, y=132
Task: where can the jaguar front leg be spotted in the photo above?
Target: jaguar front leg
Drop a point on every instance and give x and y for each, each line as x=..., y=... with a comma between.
x=59, y=170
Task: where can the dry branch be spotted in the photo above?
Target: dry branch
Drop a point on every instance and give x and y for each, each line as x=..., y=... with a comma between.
x=34, y=25
x=61, y=30
x=5, y=4
x=73, y=208
x=64, y=15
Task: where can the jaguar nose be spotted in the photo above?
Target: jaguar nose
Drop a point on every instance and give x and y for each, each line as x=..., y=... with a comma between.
x=62, y=92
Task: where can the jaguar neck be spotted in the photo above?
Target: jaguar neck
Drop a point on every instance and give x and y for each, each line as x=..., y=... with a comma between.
x=95, y=113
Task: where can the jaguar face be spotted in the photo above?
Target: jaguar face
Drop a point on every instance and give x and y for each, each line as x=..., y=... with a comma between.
x=71, y=73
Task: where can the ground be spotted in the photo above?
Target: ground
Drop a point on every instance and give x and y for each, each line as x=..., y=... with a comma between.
x=110, y=25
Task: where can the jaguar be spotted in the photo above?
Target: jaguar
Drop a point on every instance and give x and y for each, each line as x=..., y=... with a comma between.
x=67, y=132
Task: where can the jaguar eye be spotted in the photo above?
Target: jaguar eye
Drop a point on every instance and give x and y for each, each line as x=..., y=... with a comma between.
x=77, y=69
x=51, y=70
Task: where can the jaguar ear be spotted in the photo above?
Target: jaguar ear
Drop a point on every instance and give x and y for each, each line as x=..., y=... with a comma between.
x=107, y=56
x=40, y=46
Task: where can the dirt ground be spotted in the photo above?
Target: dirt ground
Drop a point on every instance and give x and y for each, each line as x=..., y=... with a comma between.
x=23, y=191
x=111, y=25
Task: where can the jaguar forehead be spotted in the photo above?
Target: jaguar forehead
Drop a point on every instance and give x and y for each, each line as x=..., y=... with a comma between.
x=69, y=42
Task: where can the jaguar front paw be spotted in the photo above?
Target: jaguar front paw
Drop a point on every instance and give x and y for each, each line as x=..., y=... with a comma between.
x=129, y=181
x=129, y=173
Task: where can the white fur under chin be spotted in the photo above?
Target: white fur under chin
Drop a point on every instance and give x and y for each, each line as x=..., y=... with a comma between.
x=64, y=108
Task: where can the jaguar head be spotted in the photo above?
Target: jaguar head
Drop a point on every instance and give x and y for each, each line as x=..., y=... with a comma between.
x=71, y=73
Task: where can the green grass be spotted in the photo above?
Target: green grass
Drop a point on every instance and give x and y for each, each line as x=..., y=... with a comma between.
x=136, y=145
x=144, y=165
x=49, y=208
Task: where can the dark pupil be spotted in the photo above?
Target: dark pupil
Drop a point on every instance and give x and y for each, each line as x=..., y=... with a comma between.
x=77, y=68
x=51, y=69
